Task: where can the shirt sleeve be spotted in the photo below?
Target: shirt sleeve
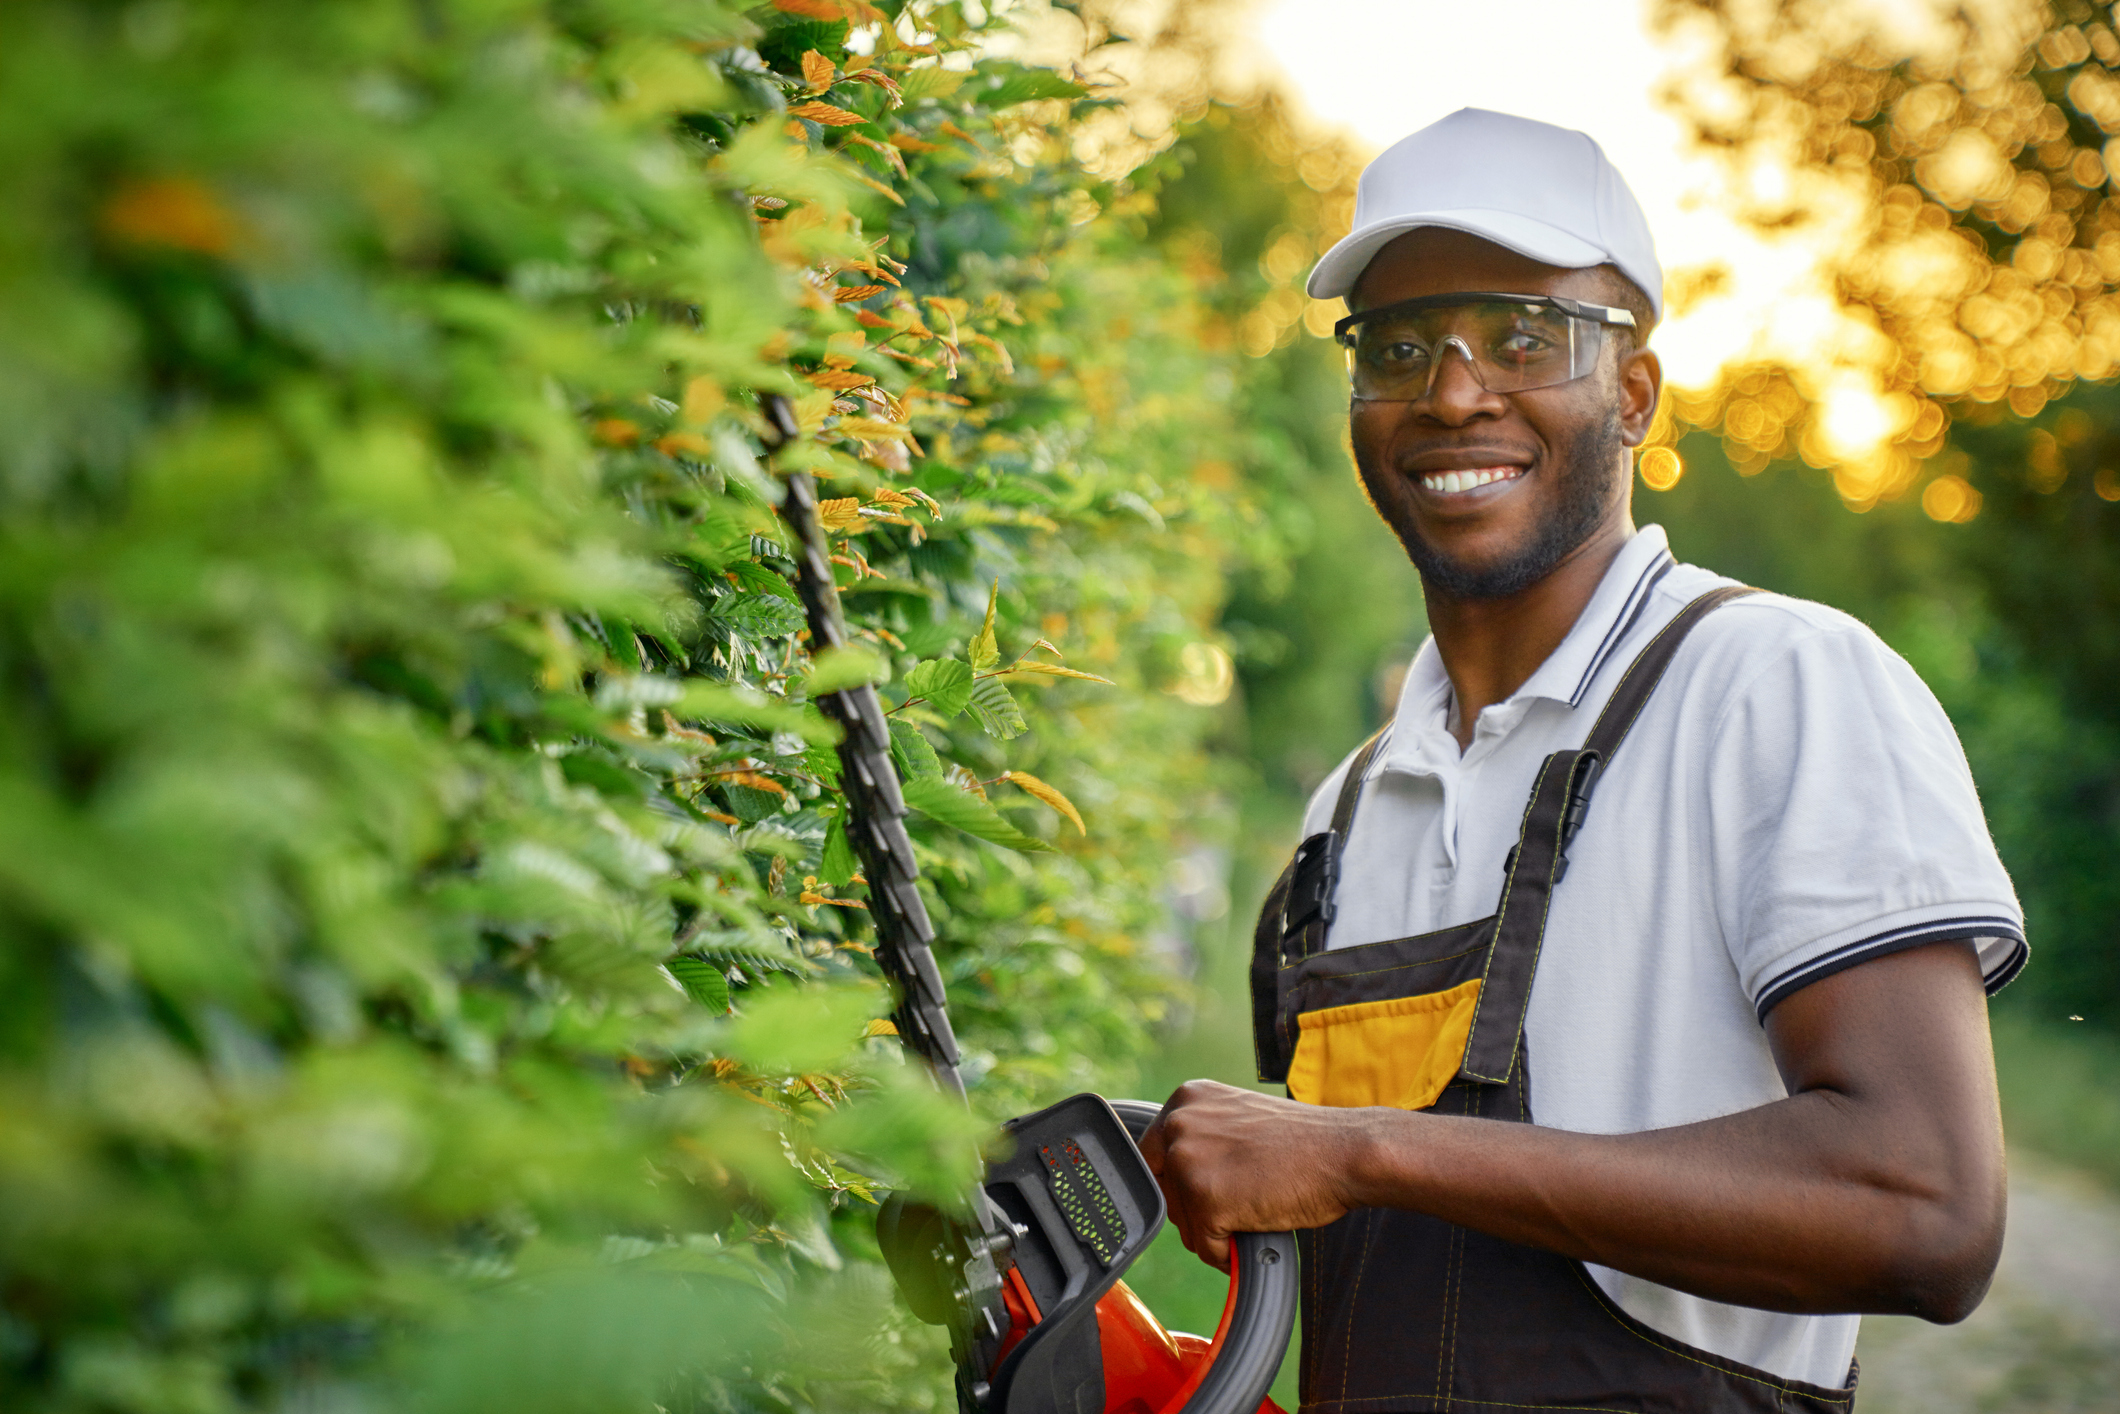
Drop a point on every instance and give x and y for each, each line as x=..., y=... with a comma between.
x=1845, y=822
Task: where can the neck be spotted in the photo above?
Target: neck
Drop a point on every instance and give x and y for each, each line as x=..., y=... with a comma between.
x=1491, y=647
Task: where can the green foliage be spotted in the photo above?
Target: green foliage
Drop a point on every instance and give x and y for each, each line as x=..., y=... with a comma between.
x=424, y=976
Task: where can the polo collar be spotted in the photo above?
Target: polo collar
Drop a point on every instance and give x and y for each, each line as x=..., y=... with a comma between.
x=1420, y=740
x=1568, y=671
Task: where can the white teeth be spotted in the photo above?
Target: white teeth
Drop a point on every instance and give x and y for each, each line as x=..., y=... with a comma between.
x=1455, y=481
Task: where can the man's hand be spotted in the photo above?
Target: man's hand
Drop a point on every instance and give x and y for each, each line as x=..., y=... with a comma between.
x=1232, y=1161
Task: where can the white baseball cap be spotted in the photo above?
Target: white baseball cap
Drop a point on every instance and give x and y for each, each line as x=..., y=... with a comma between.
x=1542, y=191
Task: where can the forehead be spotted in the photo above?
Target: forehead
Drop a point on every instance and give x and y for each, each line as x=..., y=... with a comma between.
x=1435, y=261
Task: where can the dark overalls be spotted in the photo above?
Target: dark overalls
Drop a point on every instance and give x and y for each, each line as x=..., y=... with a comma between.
x=1402, y=1311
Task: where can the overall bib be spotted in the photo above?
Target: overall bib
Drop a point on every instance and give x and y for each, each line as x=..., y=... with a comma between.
x=1402, y=1311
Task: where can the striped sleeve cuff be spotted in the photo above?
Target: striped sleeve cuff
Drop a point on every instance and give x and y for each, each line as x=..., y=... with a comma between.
x=2000, y=941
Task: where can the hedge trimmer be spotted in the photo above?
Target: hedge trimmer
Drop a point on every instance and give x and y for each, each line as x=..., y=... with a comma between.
x=1026, y=1276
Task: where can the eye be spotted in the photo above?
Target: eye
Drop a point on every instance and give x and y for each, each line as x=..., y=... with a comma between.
x=1523, y=344
x=1396, y=353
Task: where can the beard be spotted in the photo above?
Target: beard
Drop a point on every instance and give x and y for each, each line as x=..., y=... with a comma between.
x=1584, y=487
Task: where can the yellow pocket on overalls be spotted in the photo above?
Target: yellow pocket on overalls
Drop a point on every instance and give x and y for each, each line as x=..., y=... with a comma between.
x=1399, y=1052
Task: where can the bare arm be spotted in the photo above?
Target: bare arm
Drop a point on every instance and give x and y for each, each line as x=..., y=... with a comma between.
x=1877, y=1185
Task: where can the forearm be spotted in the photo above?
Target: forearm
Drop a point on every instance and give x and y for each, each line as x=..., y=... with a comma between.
x=1877, y=1186
x=1795, y=1206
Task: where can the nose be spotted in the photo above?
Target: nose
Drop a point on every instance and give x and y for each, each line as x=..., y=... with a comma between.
x=1455, y=395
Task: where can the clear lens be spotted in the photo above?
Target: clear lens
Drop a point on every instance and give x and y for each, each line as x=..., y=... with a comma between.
x=1511, y=347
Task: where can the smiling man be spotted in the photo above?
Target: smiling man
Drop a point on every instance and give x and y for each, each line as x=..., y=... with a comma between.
x=1619, y=1078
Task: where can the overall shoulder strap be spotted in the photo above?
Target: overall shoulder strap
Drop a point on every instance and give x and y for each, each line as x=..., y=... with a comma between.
x=1647, y=670
x=1297, y=912
x=1559, y=800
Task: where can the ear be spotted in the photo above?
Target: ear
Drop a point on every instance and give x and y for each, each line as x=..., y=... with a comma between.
x=1641, y=386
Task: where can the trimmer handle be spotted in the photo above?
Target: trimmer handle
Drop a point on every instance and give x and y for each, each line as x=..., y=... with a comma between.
x=1256, y=1319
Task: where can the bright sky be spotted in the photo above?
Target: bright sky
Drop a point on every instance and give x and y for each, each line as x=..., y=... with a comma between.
x=1383, y=68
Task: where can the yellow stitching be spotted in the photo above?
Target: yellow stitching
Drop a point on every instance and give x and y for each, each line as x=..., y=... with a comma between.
x=1501, y=912
x=1597, y=1293
x=1538, y=945
x=1619, y=688
x=1501, y=909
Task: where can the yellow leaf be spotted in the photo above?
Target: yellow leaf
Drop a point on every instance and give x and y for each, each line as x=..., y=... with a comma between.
x=983, y=652
x=879, y=78
x=692, y=443
x=885, y=496
x=1054, y=670
x=176, y=212
x=869, y=319
x=868, y=429
x=1032, y=785
x=826, y=113
x=878, y=187
x=906, y=142
x=753, y=780
x=816, y=71
x=883, y=1026
x=839, y=513
x=1008, y=365
x=838, y=379
x=704, y=399
x=1049, y=646
x=850, y=294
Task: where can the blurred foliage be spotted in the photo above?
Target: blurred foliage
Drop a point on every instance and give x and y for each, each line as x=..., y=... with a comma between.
x=432, y=974
x=1969, y=157
x=1960, y=155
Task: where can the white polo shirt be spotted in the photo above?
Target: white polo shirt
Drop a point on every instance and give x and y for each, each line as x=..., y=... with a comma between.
x=1792, y=801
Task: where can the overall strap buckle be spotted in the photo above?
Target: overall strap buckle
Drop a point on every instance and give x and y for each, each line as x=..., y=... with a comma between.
x=1313, y=881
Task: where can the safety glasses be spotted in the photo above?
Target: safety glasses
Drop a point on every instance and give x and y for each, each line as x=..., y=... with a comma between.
x=1511, y=342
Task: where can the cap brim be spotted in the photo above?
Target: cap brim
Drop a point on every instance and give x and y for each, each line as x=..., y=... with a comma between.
x=1336, y=272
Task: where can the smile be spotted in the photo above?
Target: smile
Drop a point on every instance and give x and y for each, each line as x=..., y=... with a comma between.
x=1469, y=479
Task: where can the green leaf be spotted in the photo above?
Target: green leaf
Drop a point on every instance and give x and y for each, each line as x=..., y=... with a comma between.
x=702, y=981
x=1011, y=84
x=985, y=652
x=782, y=46
x=755, y=616
x=931, y=83
x=945, y=682
x=939, y=800
x=750, y=708
x=793, y=1030
x=910, y=748
x=750, y=804
x=823, y=762
x=995, y=709
x=834, y=668
x=839, y=864
x=756, y=578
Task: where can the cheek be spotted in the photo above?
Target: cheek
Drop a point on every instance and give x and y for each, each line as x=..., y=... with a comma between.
x=1369, y=433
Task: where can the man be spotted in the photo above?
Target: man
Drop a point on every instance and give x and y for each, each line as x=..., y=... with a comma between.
x=1731, y=975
